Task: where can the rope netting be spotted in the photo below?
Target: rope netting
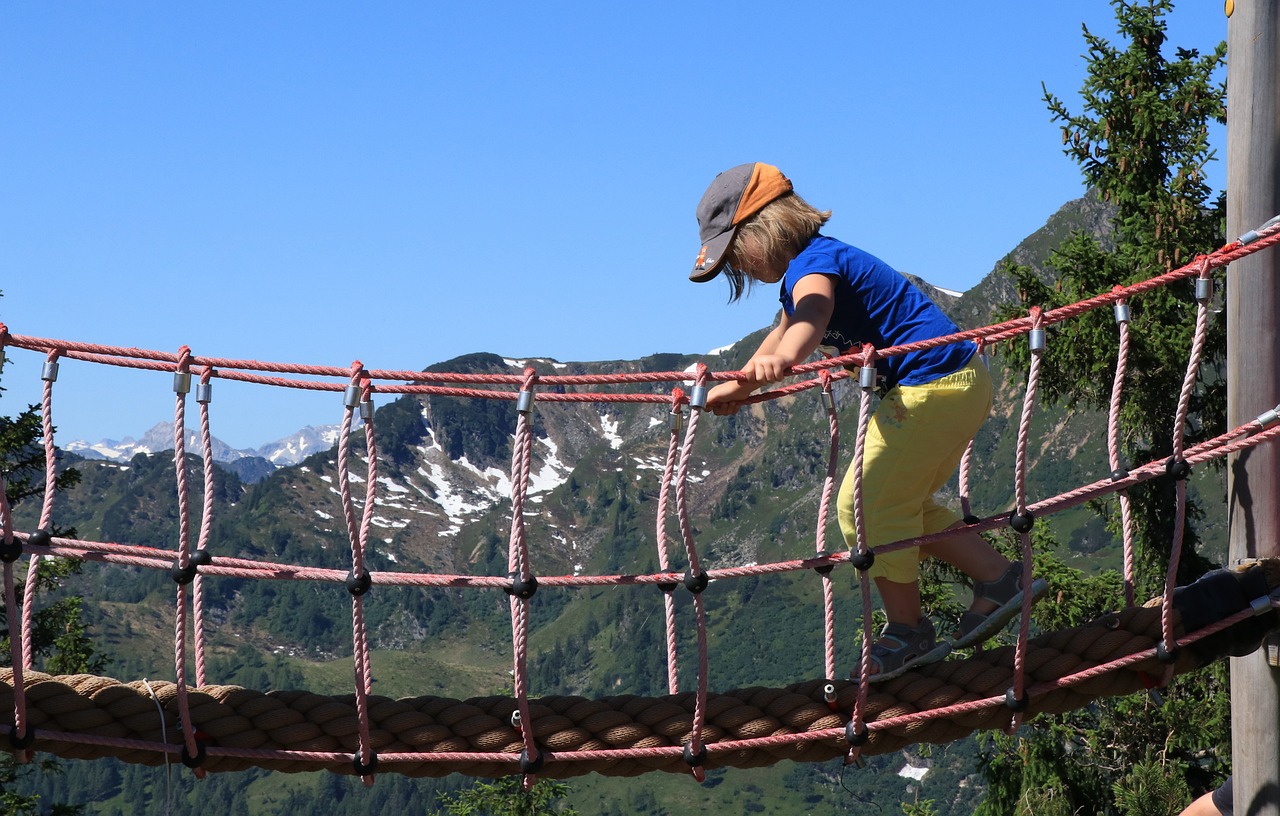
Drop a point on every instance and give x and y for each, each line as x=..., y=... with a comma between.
x=219, y=728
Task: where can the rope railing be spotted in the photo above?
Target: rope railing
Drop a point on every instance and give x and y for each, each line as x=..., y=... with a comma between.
x=848, y=719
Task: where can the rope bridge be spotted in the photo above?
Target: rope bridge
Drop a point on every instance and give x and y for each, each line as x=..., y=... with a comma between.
x=224, y=728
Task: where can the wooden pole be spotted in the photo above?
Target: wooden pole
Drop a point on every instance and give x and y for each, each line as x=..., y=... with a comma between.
x=1253, y=372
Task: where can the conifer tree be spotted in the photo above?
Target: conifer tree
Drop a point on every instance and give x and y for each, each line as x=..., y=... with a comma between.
x=1141, y=141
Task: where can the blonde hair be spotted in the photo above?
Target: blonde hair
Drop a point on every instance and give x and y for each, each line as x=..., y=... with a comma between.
x=780, y=230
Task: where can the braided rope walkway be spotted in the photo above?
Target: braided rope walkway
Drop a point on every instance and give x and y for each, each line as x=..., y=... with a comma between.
x=223, y=728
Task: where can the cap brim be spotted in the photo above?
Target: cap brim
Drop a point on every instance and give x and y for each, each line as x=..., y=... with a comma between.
x=714, y=248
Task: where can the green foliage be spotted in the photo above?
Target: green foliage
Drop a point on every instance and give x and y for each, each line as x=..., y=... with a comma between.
x=506, y=797
x=1142, y=144
x=1149, y=789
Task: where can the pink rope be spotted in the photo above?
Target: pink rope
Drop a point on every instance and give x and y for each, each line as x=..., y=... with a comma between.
x=867, y=383
x=181, y=383
x=664, y=560
x=1113, y=452
x=521, y=570
x=46, y=509
x=206, y=524
x=820, y=535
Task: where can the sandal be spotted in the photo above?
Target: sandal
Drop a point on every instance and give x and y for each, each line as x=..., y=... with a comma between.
x=901, y=648
x=1006, y=593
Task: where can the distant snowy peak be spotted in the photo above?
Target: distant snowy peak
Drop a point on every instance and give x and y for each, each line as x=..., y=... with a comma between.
x=288, y=451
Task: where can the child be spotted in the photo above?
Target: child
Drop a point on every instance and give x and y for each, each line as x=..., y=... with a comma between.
x=754, y=229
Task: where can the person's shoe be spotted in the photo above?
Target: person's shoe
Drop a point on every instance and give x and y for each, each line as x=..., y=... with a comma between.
x=1006, y=593
x=902, y=648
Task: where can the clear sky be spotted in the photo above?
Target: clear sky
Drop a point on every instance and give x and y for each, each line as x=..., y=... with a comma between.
x=404, y=182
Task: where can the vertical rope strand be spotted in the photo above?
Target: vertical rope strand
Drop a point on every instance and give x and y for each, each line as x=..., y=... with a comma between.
x=820, y=534
x=206, y=524
x=664, y=560
x=695, y=579
x=867, y=383
x=49, y=376
x=1113, y=449
x=521, y=571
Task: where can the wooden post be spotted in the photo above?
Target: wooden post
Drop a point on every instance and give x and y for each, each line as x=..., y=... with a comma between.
x=1253, y=372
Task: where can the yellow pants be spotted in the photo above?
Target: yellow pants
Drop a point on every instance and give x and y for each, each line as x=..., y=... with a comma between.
x=915, y=441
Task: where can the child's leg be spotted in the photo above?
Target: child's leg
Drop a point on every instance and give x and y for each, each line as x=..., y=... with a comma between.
x=901, y=601
x=974, y=556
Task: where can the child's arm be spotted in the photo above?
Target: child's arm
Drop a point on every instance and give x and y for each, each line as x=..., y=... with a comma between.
x=791, y=342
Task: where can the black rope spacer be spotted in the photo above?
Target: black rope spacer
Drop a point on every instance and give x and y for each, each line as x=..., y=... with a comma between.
x=694, y=760
x=1179, y=469
x=823, y=569
x=1119, y=474
x=854, y=737
x=1015, y=703
x=196, y=761
x=668, y=586
x=696, y=583
x=40, y=538
x=971, y=519
x=10, y=552
x=1166, y=655
x=185, y=575
x=862, y=561
x=359, y=585
x=532, y=766
x=363, y=768
x=522, y=587
x=23, y=742
x=1022, y=522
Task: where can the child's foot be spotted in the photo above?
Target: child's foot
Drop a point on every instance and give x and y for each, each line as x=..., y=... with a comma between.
x=901, y=648
x=1006, y=593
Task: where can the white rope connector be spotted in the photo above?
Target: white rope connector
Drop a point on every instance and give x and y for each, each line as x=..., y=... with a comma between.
x=351, y=396
x=50, y=371
x=677, y=419
x=366, y=410
x=1122, y=313
x=182, y=382
x=204, y=393
x=524, y=403
x=1268, y=418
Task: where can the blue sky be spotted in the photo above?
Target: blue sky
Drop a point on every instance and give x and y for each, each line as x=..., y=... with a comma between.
x=404, y=182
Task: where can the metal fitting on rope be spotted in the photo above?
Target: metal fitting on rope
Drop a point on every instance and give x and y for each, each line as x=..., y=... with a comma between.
x=1035, y=338
x=366, y=410
x=531, y=766
x=1179, y=469
x=351, y=396
x=23, y=742
x=698, y=397
x=677, y=420
x=182, y=382
x=696, y=583
x=196, y=761
x=185, y=575
x=1268, y=418
x=1262, y=605
x=40, y=538
x=204, y=393
x=1165, y=654
x=829, y=695
x=695, y=759
x=856, y=737
x=358, y=585
x=516, y=719
x=1254, y=234
x=867, y=377
x=363, y=768
x=50, y=371
x=828, y=399
x=1122, y=313
x=1204, y=290
x=524, y=402
x=862, y=560
x=1022, y=522
x=1015, y=703
x=521, y=587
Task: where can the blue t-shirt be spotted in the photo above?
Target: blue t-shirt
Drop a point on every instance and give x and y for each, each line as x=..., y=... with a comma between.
x=875, y=304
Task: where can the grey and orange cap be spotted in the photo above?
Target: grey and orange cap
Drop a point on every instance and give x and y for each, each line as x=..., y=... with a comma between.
x=734, y=196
